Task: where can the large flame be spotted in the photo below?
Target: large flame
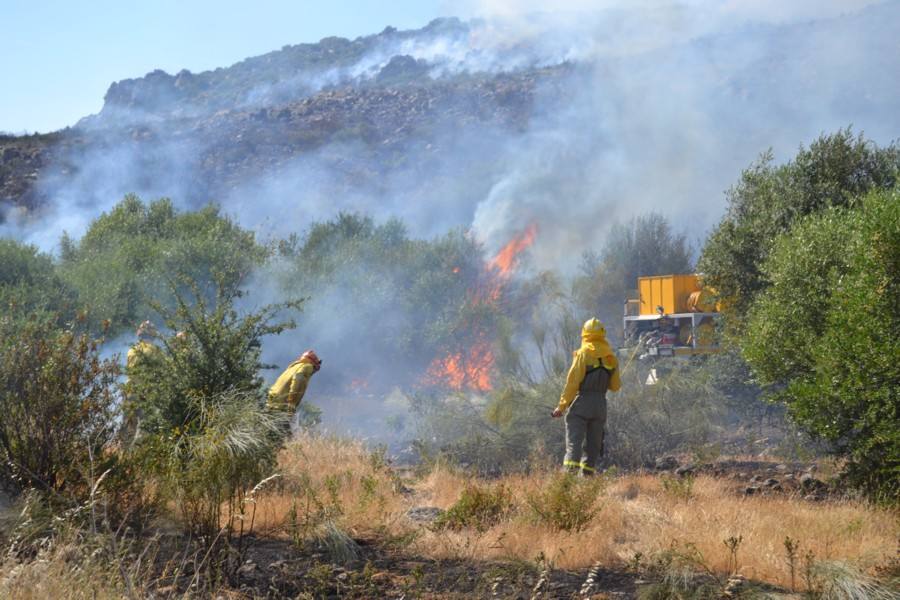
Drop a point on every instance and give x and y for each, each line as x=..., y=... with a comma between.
x=470, y=368
x=508, y=256
x=464, y=371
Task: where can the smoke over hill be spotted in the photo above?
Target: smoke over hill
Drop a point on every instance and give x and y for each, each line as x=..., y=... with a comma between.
x=490, y=124
x=494, y=124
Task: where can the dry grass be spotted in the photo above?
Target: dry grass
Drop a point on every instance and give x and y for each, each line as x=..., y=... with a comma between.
x=636, y=515
x=342, y=487
x=56, y=574
x=339, y=477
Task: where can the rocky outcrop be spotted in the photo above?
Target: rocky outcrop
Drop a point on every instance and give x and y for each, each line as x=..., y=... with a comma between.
x=388, y=124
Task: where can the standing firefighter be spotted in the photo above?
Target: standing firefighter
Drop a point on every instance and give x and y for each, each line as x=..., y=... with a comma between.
x=594, y=371
x=139, y=357
x=287, y=391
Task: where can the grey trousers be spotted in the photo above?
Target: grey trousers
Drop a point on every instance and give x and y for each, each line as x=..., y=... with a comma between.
x=585, y=425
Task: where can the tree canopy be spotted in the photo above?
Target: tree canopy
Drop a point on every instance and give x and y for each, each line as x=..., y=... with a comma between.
x=836, y=170
x=826, y=332
x=130, y=255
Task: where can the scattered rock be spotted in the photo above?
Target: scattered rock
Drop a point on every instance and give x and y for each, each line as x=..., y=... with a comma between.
x=751, y=490
x=424, y=514
x=666, y=463
x=685, y=471
x=781, y=468
x=790, y=477
x=756, y=478
x=770, y=482
x=809, y=483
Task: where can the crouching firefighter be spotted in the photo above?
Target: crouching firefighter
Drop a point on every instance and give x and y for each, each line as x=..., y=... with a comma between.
x=594, y=371
x=288, y=390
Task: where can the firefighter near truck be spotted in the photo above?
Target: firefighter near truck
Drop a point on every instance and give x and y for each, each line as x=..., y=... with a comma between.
x=670, y=316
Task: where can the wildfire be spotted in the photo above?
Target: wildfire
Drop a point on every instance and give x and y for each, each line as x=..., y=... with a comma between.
x=506, y=259
x=470, y=368
x=459, y=371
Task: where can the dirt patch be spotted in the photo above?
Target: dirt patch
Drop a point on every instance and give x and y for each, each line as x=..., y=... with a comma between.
x=276, y=568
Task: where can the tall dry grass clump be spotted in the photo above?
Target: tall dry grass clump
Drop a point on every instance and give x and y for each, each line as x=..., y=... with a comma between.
x=333, y=482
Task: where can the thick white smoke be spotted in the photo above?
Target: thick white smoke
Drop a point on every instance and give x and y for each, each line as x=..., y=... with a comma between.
x=650, y=106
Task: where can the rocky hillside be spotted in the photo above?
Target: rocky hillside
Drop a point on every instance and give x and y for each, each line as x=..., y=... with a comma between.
x=437, y=117
x=258, y=115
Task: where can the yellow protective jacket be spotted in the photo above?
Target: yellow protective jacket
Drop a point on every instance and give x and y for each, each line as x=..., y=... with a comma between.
x=139, y=351
x=594, y=351
x=287, y=391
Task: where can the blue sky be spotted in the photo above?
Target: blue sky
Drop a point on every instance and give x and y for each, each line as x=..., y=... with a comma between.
x=59, y=57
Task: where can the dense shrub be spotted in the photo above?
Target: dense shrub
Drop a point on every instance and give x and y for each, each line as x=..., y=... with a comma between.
x=567, y=502
x=30, y=285
x=478, y=507
x=836, y=170
x=825, y=336
x=130, y=255
x=206, y=437
x=58, y=402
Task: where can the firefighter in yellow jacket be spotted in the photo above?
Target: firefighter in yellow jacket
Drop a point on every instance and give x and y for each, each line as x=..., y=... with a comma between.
x=594, y=371
x=141, y=353
x=287, y=391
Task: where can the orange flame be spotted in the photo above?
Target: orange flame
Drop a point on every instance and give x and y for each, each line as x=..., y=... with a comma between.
x=458, y=371
x=506, y=259
x=471, y=369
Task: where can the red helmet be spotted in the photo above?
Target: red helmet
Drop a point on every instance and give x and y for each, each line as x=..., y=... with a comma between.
x=310, y=357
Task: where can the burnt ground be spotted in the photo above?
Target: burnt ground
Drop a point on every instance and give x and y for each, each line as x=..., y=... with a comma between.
x=800, y=480
x=277, y=568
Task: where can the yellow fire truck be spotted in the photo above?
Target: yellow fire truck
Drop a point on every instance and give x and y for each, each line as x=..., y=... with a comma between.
x=670, y=315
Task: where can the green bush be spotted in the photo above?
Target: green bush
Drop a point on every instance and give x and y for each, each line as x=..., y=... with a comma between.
x=206, y=437
x=567, y=503
x=58, y=399
x=30, y=285
x=768, y=200
x=478, y=507
x=826, y=335
x=130, y=255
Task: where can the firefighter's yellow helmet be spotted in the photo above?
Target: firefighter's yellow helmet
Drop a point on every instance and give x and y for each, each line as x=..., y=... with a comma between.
x=593, y=326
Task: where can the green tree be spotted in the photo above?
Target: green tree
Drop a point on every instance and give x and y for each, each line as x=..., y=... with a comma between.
x=29, y=283
x=129, y=255
x=834, y=171
x=644, y=246
x=825, y=334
